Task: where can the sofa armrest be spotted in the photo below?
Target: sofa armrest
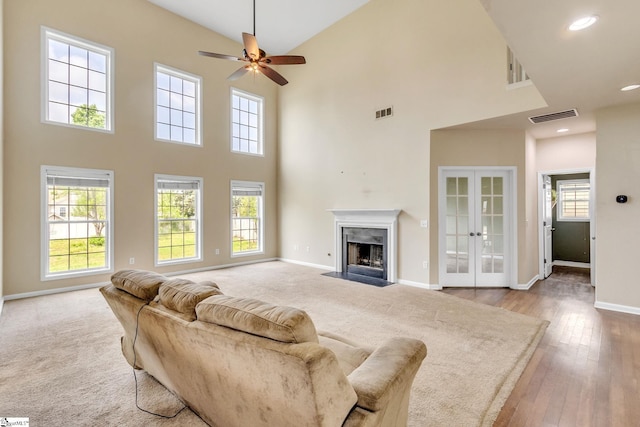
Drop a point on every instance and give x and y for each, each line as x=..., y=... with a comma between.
x=389, y=370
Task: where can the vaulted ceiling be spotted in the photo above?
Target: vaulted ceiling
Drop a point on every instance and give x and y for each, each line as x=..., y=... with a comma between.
x=584, y=70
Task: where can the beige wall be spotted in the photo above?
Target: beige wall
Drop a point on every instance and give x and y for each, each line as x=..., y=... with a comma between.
x=487, y=148
x=437, y=63
x=1, y=149
x=566, y=152
x=617, y=227
x=141, y=34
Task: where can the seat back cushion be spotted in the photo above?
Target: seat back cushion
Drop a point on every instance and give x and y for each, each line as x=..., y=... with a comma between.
x=280, y=323
x=139, y=283
x=183, y=295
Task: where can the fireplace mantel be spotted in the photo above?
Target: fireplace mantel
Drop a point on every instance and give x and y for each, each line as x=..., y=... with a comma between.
x=368, y=218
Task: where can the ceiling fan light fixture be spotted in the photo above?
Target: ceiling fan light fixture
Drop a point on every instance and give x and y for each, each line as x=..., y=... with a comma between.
x=582, y=23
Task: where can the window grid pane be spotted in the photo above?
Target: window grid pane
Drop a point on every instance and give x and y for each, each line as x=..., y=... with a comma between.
x=177, y=225
x=77, y=89
x=246, y=119
x=177, y=108
x=78, y=227
x=573, y=200
x=246, y=220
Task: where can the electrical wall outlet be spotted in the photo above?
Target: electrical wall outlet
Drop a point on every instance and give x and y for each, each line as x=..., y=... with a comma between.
x=132, y=261
x=425, y=265
x=217, y=251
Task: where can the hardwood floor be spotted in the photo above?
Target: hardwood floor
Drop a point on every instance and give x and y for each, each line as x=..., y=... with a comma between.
x=586, y=369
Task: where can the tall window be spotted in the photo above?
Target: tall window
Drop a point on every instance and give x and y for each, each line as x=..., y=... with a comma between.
x=246, y=123
x=77, y=232
x=77, y=87
x=573, y=200
x=178, y=229
x=177, y=115
x=247, y=217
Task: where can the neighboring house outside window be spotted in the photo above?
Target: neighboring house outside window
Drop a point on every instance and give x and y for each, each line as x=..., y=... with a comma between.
x=77, y=230
x=573, y=200
x=247, y=217
x=177, y=106
x=178, y=219
x=78, y=81
x=246, y=123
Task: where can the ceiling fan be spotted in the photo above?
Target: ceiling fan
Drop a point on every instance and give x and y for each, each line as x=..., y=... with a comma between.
x=256, y=58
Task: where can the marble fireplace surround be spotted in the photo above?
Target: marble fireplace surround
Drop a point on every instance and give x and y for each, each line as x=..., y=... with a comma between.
x=386, y=219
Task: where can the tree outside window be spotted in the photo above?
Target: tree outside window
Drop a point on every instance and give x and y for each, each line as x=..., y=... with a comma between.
x=177, y=219
x=246, y=217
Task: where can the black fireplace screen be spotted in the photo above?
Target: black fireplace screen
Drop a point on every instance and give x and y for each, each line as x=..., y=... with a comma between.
x=366, y=254
x=365, y=251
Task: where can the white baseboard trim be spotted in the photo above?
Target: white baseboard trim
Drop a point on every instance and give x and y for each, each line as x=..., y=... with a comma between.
x=308, y=264
x=526, y=286
x=217, y=267
x=97, y=285
x=54, y=291
x=617, y=307
x=419, y=285
x=572, y=264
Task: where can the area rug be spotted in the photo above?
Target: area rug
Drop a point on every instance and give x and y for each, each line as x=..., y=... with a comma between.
x=60, y=354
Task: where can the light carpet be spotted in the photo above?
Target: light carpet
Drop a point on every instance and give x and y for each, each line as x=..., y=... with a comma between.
x=60, y=359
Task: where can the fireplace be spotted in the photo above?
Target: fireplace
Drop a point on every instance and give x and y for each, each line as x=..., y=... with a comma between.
x=364, y=251
x=366, y=243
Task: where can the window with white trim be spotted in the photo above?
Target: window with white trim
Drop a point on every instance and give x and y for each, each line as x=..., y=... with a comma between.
x=178, y=106
x=573, y=200
x=246, y=123
x=77, y=231
x=78, y=81
x=178, y=219
x=247, y=217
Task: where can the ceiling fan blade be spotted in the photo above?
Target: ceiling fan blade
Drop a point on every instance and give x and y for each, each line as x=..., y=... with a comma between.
x=251, y=45
x=273, y=75
x=219, y=56
x=285, y=59
x=239, y=73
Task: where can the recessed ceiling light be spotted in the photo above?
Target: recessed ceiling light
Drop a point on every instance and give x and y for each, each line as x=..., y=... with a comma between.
x=582, y=23
x=630, y=87
x=563, y=130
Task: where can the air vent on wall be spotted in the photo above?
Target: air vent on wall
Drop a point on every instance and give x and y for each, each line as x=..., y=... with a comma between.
x=554, y=116
x=385, y=112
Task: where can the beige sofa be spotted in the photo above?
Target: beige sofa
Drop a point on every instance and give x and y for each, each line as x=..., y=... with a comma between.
x=243, y=362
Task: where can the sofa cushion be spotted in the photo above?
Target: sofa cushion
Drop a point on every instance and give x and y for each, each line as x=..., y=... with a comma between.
x=280, y=323
x=139, y=283
x=349, y=354
x=183, y=295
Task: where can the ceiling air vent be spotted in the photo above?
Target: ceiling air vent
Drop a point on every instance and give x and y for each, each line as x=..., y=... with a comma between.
x=554, y=116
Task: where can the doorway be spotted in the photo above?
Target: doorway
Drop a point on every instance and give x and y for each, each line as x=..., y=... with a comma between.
x=567, y=220
x=476, y=236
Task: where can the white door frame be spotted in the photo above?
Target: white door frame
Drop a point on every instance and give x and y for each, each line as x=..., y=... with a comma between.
x=592, y=221
x=511, y=230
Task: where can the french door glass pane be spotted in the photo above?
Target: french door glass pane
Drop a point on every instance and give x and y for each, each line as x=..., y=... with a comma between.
x=457, y=224
x=492, y=218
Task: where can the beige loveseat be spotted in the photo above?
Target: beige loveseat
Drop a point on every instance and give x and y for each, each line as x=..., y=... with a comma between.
x=243, y=362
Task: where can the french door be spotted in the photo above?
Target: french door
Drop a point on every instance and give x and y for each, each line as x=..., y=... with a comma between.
x=475, y=227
